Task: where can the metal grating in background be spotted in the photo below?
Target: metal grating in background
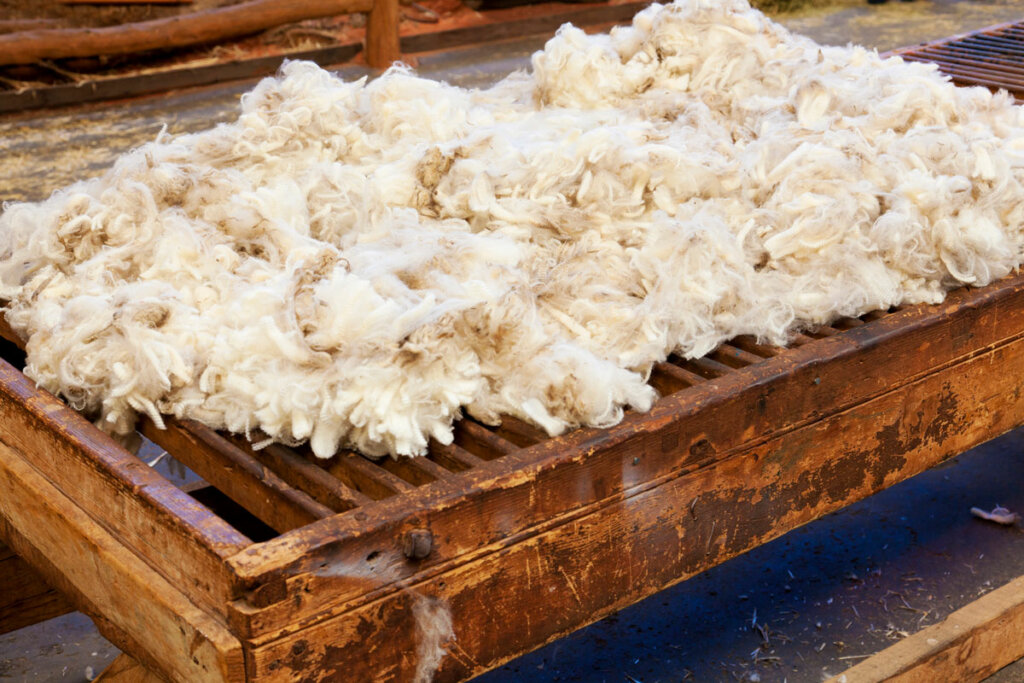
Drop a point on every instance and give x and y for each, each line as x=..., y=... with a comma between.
x=992, y=57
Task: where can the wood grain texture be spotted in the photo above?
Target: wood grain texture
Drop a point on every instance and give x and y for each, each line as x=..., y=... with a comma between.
x=126, y=669
x=196, y=28
x=969, y=645
x=105, y=579
x=234, y=470
x=179, y=536
x=25, y=598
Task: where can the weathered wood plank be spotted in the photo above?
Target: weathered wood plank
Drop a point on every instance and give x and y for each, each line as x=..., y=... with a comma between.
x=26, y=598
x=969, y=645
x=526, y=489
x=195, y=28
x=106, y=580
x=303, y=474
x=237, y=473
x=126, y=669
x=182, y=538
x=600, y=559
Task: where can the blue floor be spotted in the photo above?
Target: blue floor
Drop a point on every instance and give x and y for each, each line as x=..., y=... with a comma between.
x=813, y=602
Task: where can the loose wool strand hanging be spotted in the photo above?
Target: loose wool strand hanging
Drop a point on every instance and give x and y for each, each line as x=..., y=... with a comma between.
x=356, y=263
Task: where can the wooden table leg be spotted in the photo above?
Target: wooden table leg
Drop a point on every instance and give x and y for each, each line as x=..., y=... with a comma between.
x=125, y=669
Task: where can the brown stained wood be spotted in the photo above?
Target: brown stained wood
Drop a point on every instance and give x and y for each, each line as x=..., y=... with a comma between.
x=519, y=433
x=417, y=471
x=25, y=597
x=304, y=475
x=625, y=547
x=105, y=579
x=126, y=669
x=734, y=356
x=750, y=344
x=682, y=376
x=481, y=441
x=196, y=28
x=382, y=40
x=235, y=472
x=822, y=332
x=708, y=368
x=8, y=333
x=360, y=474
x=847, y=323
x=320, y=570
x=182, y=538
x=454, y=457
x=969, y=645
x=800, y=339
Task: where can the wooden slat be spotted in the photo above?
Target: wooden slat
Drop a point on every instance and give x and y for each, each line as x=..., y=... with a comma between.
x=358, y=473
x=734, y=356
x=748, y=343
x=519, y=433
x=25, y=598
x=709, y=367
x=800, y=339
x=178, y=535
x=454, y=457
x=304, y=475
x=480, y=441
x=306, y=577
x=134, y=605
x=416, y=470
x=230, y=469
x=823, y=331
x=682, y=375
x=969, y=645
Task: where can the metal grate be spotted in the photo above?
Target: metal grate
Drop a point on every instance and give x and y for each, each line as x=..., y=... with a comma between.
x=992, y=57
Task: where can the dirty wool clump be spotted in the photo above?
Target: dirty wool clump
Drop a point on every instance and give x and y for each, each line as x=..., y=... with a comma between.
x=355, y=263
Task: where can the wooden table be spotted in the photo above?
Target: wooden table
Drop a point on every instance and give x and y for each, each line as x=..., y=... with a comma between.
x=282, y=567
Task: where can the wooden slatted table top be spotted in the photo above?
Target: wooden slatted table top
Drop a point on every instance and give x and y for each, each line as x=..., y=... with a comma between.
x=992, y=57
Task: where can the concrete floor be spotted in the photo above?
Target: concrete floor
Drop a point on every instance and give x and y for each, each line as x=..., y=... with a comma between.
x=825, y=595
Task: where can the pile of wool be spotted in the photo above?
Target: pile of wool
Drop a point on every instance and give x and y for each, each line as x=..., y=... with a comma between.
x=355, y=263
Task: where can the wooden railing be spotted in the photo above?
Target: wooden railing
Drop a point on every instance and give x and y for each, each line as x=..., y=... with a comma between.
x=197, y=28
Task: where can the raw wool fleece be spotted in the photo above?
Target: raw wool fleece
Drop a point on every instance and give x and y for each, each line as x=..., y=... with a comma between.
x=354, y=263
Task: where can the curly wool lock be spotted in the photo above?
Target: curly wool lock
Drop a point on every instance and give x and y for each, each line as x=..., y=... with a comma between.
x=355, y=263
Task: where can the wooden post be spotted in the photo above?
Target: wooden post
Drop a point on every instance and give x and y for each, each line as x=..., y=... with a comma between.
x=382, y=41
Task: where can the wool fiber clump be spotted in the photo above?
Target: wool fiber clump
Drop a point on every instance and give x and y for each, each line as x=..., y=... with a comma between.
x=356, y=263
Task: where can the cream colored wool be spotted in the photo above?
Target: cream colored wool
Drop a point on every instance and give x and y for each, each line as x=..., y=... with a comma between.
x=355, y=263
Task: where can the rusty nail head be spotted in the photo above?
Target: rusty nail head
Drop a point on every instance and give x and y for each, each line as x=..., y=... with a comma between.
x=417, y=543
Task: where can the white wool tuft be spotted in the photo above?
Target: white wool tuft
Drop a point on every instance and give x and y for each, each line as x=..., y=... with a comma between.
x=353, y=264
